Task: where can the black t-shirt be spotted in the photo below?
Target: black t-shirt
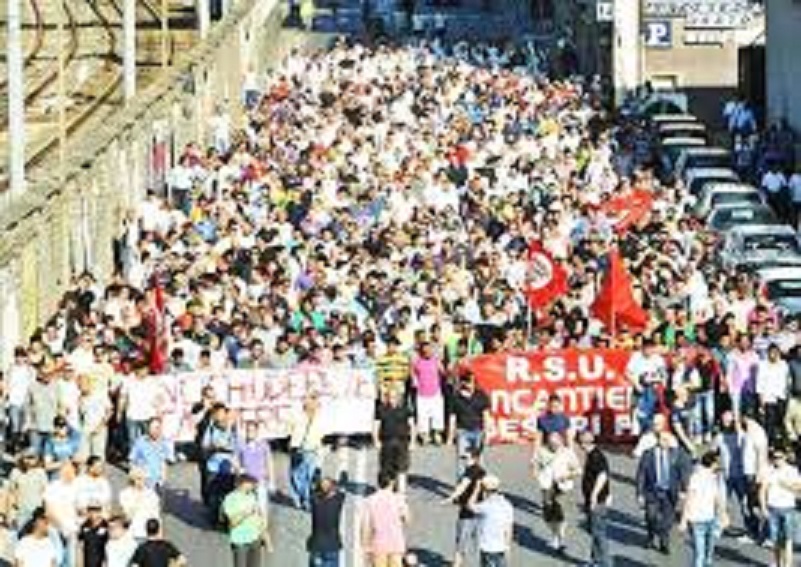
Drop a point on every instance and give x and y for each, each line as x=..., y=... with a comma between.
x=596, y=465
x=469, y=411
x=326, y=517
x=394, y=422
x=473, y=473
x=155, y=553
x=94, y=540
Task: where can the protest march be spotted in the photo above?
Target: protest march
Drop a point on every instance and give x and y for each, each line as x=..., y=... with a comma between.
x=448, y=245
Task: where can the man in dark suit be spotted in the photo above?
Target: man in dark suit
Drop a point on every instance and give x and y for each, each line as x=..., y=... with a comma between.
x=661, y=478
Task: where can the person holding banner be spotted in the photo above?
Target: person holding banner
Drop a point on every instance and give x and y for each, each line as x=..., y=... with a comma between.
x=305, y=443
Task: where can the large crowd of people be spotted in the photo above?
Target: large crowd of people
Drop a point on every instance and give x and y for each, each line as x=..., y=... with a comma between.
x=376, y=210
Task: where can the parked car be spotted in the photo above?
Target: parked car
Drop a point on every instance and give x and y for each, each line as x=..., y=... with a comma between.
x=668, y=151
x=758, y=247
x=723, y=219
x=697, y=178
x=694, y=130
x=720, y=194
x=658, y=119
x=782, y=286
x=702, y=157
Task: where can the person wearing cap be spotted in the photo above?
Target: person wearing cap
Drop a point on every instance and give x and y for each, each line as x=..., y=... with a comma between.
x=780, y=487
x=247, y=526
x=495, y=523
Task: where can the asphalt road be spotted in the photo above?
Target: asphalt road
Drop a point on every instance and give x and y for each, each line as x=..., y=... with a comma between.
x=431, y=531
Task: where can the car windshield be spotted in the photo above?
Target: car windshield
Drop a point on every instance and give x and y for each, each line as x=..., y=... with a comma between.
x=724, y=219
x=784, y=288
x=770, y=242
x=731, y=198
x=698, y=183
x=683, y=133
x=708, y=160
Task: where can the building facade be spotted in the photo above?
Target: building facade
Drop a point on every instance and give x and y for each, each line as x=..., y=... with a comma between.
x=783, y=61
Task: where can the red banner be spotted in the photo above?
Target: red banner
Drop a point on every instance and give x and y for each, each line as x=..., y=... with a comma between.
x=592, y=384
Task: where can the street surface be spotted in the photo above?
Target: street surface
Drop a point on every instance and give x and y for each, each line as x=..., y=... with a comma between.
x=431, y=532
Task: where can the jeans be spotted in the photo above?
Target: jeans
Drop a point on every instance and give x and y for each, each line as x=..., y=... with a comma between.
x=303, y=469
x=16, y=421
x=38, y=440
x=599, y=524
x=466, y=441
x=492, y=559
x=660, y=515
x=135, y=430
x=247, y=555
x=705, y=411
x=704, y=535
x=324, y=559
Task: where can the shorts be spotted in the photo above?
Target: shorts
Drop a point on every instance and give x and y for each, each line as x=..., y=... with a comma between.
x=781, y=525
x=394, y=457
x=467, y=536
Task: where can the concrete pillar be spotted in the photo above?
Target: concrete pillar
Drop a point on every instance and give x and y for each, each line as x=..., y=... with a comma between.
x=626, y=48
x=16, y=98
x=129, y=48
x=203, y=17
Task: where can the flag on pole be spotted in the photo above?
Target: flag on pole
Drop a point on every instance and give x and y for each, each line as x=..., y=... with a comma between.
x=546, y=279
x=629, y=209
x=615, y=304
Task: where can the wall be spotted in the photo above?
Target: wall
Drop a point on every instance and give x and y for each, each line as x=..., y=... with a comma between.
x=784, y=60
x=61, y=227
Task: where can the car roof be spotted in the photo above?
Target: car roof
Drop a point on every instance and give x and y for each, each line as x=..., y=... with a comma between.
x=683, y=141
x=780, y=273
x=674, y=118
x=675, y=125
x=698, y=172
x=707, y=151
x=731, y=206
x=729, y=187
x=769, y=229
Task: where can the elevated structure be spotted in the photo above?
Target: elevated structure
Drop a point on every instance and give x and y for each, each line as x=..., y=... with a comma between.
x=783, y=65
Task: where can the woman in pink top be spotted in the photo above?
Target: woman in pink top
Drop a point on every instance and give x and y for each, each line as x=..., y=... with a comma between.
x=384, y=523
x=427, y=372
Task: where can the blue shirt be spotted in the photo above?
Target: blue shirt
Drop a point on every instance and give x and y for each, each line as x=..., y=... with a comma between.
x=152, y=457
x=553, y=423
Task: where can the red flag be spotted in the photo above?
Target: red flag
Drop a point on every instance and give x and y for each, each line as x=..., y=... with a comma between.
x=546, y=279
x=629, y=209
x=615, y=304
x=157, y=331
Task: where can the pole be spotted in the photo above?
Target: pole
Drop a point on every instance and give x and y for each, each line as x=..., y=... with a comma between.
x=16, y=99
x=62, y=91
x=129, y=49
x=203, y=17
x=165, y=34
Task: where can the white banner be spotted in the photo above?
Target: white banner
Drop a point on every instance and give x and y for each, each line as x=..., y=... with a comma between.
x=273, y=399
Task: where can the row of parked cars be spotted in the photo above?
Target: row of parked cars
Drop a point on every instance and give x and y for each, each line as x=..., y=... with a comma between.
x=751, y=236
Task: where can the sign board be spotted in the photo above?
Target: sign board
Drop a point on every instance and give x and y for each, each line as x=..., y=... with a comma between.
x=605, y=11
x=717, y=20
x=680, y=8
x=272, y=398
x=591, y=383
x=704, y=37
x=658, y=34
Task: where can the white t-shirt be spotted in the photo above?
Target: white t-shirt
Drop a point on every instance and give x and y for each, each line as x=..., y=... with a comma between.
x=142, y=395
x=773, y=182
x=646, y=369
x=61, y=500
x=20, y=378
x=702, y=494
x=120, y=551
x=140, y=506
x=32, y=551
x=90, y=490
x=776, y=479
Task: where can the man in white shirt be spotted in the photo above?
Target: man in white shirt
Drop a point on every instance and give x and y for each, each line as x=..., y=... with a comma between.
x=20, y=377
x=495, y=523
x=704, y=510
x=780, y=488
x=772, y=385
x=140, y=403
x=60, y=500
x=37, y=549
x=773, y=183
x=794, y=184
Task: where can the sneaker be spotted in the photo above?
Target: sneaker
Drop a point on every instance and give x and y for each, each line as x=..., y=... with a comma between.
x=745, y=539
x=555, y=543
